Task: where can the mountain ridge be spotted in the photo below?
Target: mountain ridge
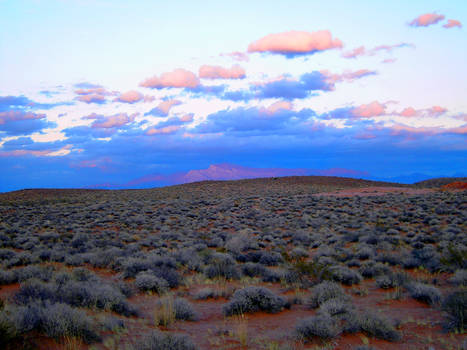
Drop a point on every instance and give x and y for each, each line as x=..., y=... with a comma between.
x=228, y=171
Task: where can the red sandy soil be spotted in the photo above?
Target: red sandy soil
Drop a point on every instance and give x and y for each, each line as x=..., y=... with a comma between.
x=421, y=325
x=375, y=191
x=7, y=291
x=457, y=185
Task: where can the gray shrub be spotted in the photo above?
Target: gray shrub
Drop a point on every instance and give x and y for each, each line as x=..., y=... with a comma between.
x=319, y=326
x=254, y=299
x=325, y=291
x=158, y=340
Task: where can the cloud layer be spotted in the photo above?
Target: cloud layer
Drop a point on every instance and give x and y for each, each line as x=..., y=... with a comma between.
x=262, y=96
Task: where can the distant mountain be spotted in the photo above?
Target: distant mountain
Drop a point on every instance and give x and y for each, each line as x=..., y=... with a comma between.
x=226, y=171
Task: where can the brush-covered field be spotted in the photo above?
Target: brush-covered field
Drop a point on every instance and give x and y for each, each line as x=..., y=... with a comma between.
x=274, y=264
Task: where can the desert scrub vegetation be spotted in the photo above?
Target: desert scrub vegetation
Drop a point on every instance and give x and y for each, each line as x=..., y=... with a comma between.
x=54, y=320
x=378, y=326
x=336, y=316
x=455, y=304
x=253, y=299
x=393, y=279
x=104, y=253
x=320, y=326
x=169, y=309
x=424, y=293
x=91, y=293
x=345, y=275
x=459, y=278
x=146, y=281
x=158, y=340
x=221, y=265
x=325, y=291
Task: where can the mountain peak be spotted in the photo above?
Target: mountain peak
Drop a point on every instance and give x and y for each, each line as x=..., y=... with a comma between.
x=228, y=171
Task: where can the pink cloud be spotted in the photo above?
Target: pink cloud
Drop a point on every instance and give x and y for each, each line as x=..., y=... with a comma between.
x=453, y=23
x=179, y=78
x=408, y=112
x=93, y=95
x=370, y=110
x=217, y=72
x=163, y=131
x=10, y=116
x=426, y=20
x=93, y=91
x=437, y=110
x=113, y=121
x=349, y=76
x=165, y=106
x=365, y=136
x=399, y=129
x=389, y=48
x=42, y=153
x=461, y=117
x=272, y=80
x=276, y=107
x=389, y=60
x=187, y=118
x=102, y=163
x=237, y=56
x=131, y=96
x=22, y=152
x=91, y=98
x=295, y=42
x=148, y=98
x=362, y=51
x=434, y=111
x=359, y=51
x=427, y=131
x=462, y=130
x=411, y=131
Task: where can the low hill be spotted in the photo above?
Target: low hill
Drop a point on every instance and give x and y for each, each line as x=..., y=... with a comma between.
x=439, y=182
x=260, y=186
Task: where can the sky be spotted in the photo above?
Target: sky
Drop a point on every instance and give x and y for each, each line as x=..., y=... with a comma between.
x=108, y=91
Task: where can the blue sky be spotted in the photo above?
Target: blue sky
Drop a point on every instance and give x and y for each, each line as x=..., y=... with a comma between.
x=109, y=91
